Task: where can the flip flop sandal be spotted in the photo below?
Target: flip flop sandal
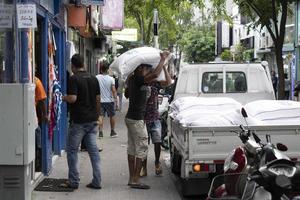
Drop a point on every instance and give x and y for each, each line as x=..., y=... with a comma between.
x=139, y=186
x=158, y=170
x=68, y=185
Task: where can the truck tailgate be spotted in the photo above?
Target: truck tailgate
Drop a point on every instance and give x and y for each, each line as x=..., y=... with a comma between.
x=214, y=143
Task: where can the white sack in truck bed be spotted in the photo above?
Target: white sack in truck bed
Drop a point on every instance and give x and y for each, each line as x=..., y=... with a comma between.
x=206, y=111
x=282, y=112
x=223, y=111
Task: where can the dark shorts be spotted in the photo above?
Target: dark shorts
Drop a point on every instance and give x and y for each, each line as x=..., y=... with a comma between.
x=107, y=109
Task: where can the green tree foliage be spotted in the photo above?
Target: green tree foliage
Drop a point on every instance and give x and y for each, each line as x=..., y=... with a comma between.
x=199, y=45
x=226, y=55
x=142, y=12
x=271, y=14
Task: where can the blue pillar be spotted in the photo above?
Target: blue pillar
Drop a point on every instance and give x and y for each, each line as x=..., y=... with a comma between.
x=46, y=143
x=24, y=74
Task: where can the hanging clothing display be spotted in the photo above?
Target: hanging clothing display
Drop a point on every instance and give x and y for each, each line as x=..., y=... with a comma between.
x=55, y=95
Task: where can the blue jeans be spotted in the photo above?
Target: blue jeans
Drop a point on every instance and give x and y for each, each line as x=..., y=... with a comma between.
x=77, y=132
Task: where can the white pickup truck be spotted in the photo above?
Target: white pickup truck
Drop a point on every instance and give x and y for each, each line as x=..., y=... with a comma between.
x=208, y=146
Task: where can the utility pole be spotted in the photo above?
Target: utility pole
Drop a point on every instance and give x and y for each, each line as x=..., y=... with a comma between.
x=155, y=27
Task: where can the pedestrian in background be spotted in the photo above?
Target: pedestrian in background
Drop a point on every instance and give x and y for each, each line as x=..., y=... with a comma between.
x=274, y=82
x=84, y=99
x=108, y=99
x=137, y=147
x=153, y=123
x=287, y=87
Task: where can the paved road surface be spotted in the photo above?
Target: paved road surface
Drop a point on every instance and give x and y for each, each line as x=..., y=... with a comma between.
x=114, y=173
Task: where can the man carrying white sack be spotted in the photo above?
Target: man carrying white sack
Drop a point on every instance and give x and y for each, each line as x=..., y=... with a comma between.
x=137, y=92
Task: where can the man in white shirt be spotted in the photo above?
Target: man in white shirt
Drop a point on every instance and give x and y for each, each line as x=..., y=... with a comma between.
x=108, y=95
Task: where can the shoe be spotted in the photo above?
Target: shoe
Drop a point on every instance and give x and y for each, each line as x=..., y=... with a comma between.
x=100, y=134
x=100, y=149
x=90, y=185
x=113, y=134
x=139, y=186
x=67, y=184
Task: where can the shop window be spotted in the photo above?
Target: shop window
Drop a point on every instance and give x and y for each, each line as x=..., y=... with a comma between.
x=6, y=56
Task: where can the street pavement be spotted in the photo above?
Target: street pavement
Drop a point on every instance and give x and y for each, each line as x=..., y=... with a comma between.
x=114, y=171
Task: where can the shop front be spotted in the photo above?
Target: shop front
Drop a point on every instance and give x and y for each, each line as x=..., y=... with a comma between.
x=32, y=44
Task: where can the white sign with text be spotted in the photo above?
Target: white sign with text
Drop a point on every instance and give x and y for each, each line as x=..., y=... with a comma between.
x=26, y=15
x=6, y=15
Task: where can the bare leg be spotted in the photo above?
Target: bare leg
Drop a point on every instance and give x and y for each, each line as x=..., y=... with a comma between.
x=100, y=120
x=137, y=170
x=144, y=168
x=157, y=150
x=112, y=122
x=131, y=166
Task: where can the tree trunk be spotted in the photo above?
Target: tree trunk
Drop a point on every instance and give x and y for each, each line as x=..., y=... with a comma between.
x=279, y=61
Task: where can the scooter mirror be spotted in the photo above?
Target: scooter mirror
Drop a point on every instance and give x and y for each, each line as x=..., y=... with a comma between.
x=244, y=113
x=281, y=147
x=162, y=91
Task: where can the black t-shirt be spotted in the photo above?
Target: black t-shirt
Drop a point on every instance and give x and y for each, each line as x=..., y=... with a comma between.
x=137, y=98
x=86, y=87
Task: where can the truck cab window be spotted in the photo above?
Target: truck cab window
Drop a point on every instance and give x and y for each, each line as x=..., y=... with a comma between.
x=236, y=82
x=212, y=82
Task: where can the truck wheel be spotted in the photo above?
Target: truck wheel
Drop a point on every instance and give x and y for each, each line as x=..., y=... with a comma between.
x=175, y=162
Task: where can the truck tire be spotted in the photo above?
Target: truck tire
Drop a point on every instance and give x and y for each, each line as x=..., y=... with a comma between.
x=175, y=162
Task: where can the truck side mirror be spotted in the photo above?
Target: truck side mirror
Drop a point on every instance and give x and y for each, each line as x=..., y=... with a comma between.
x=244, y=113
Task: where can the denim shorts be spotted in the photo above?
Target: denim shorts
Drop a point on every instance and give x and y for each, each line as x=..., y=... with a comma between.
x=107, y=109
x=154, y=131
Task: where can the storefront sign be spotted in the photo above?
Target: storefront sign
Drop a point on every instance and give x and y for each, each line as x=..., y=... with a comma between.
x=6, y=13
x=95, y=2
x=26, y=15
x=127, y=34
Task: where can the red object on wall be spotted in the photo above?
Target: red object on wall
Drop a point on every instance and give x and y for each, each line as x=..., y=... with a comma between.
x=76, y=16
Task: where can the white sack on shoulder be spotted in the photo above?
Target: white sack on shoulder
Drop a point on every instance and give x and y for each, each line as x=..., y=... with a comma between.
x=130, y=60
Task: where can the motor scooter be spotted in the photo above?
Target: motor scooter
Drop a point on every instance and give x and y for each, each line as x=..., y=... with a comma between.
x=256, y=171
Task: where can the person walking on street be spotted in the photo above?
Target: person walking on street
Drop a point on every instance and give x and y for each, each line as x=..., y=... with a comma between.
x=108, y=99
x=153, y=123
x=84, y=99
x=138, y=91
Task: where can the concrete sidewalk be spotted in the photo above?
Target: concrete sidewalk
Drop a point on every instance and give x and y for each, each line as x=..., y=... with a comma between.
x=114, y=171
